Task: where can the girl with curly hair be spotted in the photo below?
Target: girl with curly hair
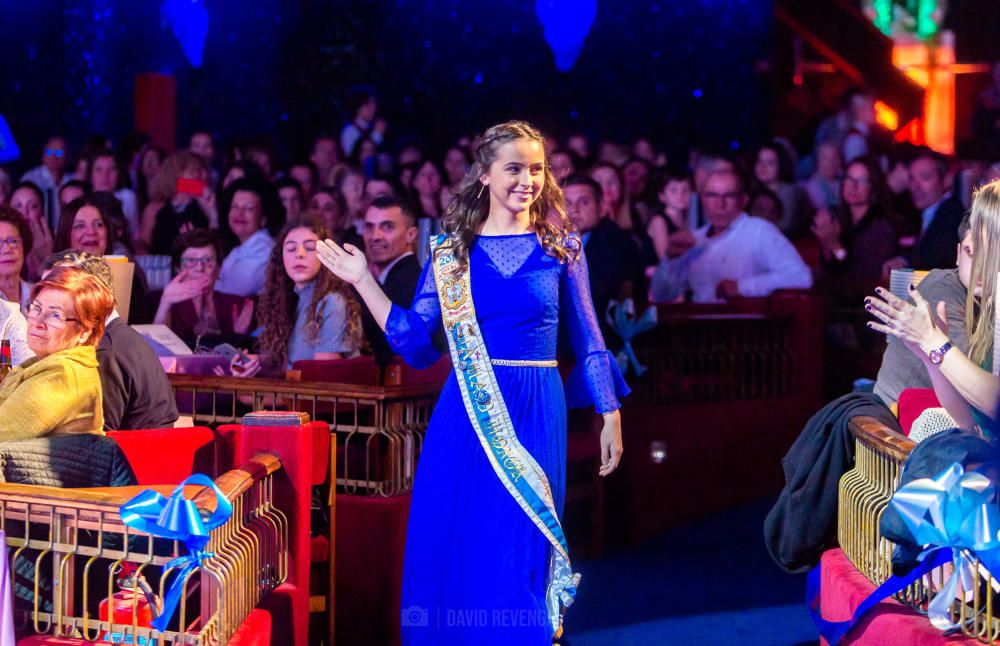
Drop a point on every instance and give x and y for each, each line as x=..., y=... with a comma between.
x=305, y=313
x=506, y=269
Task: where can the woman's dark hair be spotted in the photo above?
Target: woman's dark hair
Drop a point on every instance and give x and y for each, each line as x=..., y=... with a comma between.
x=31, y=186
x=786, y=173
x=142, y=185
x=878, y=196
x=12, y=216
x=671, y=175
x=195, y=239
x=276, y=311
x=75, y=183
x=97, y=200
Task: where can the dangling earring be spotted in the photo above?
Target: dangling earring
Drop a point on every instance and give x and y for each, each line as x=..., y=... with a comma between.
x=481, y=189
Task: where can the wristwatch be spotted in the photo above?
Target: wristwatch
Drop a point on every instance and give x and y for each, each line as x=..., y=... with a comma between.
x=937, y=356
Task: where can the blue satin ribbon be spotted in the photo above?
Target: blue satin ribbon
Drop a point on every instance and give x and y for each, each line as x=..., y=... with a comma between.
x=621, y=317
x=177, y=518
x=953, y=515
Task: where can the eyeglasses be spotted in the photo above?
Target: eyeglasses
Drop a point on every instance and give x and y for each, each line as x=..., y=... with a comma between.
x=191, y=263
x=53, y=318
x=729, y=197
x=308, y=245
x=858, y=181
x=53, y=152
x=12, y=241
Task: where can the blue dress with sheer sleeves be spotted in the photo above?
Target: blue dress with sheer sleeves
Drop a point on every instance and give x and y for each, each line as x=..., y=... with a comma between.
x=475, y=567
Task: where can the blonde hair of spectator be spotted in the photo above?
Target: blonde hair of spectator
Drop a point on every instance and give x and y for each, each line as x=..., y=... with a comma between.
x=470, y=206
x=163, y=188
x=985, y=225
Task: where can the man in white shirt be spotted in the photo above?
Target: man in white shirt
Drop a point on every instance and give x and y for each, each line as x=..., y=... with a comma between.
x=50, y=176
x=740, y=255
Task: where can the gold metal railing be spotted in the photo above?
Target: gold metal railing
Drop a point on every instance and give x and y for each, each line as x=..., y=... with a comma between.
x=66, y=547
x=380, y=428
x=864, y=495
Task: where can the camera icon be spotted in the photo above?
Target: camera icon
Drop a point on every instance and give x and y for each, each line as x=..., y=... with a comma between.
x=414, y=616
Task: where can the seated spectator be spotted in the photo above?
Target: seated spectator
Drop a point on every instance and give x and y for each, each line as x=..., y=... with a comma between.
x=328, y=205
x=901, y=368
x=611, y=253
x=764, y=203
x=14, y=328
x=940, y=214
x=615, y=204
x=291, y=196
x=15, y=239
x=103, y=175
x=58, y=391
x=135, y=392
x=190, y=305
x=242, y=272
x=305, y=173
x=325, y=156
x=304, y=312
x=390, y=234
x=48, y=177
x=381, y=185
x=669, y=230
x=860, y=236
x=28, y=201
x=6, y=187
x=456, y=164
x=735, y=254
x=562, y=162
x=636, y=174
x=365, y=123
x=172, y=205
x=773, y=170
x=149, y=163
x=964, y=383
x=351, y=186
x=71, y=190
x=823, y=188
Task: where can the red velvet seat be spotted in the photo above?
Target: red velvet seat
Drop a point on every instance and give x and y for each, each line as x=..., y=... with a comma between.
x=887, y=624
x=190, y=450
x=913, y=402
x=362, y=371
x=400, y=373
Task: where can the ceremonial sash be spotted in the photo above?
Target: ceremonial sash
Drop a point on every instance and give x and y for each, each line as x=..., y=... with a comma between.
x=518, y=471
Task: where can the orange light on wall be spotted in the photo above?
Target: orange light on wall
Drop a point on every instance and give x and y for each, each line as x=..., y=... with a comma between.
x=931, y=67
x=886, y=116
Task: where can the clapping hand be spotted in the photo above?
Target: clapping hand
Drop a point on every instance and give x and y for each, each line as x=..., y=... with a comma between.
x=185, y=286
x=915, y=325
x=346, y=263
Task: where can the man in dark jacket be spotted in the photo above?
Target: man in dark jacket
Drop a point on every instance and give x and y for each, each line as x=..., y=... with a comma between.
x=136, y=392
x=612, y=256
x=390, y=233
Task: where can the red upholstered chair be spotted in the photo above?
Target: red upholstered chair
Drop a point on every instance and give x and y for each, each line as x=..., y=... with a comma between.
x=400, y=373
x=362, y=371
x=168, y=455
x=307, y=458
x=913, y=402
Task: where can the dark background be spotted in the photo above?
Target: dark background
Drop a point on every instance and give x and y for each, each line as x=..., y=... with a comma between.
x=678, y=70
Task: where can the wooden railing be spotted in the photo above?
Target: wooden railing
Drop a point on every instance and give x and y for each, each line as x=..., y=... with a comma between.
x=864, y=495
x=380, y=428
x=67, y=547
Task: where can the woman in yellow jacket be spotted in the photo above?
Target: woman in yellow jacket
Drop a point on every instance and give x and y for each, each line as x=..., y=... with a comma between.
x=58, y=392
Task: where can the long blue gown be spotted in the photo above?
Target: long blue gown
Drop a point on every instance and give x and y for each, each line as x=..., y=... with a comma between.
x=475, y=567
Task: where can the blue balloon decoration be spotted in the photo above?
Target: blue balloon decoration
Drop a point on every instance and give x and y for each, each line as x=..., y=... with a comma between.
x=188, y=19
x=566, y=24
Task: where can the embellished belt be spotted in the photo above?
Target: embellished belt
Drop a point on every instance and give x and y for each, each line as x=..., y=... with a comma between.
x=526, y=363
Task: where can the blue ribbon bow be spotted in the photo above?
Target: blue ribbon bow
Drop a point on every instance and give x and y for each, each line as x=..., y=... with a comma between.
x=177, y=518
x=952, y=515
x=621, y=317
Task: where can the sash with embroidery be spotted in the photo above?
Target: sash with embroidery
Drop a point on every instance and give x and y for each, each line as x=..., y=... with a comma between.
x=518, y=471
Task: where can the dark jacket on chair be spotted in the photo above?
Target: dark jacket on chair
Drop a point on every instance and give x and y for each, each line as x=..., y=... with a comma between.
x=612, y=260
x=400, y=286
x=66, y=461
x=136, y=391
x=803, y=522
x=937, y=247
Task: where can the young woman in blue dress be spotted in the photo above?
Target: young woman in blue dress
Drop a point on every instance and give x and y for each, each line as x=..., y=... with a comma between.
x=485, y=557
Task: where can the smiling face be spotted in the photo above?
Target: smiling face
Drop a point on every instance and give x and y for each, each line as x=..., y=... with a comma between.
x=88, y=232
x=388, y=235
x=51, y=323
x=245, y=217
x=299, y=255
x=28, y=203
x=11, y=250
x=516, y=176
x=582, y=207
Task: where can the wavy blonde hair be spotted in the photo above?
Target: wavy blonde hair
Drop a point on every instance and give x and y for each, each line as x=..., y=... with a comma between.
x=985, y=228
x=468, y=210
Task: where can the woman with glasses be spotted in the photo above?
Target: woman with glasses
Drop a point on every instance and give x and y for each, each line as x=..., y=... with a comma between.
x=190, y=306
x=304, y=313
x=27, y=199
x=861, y=234
x=58, y=391
x=15, y=242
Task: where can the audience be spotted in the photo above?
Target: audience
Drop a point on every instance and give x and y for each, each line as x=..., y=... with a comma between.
x=15, y=239
x=135, y=393
x=190, y=304
x=58, y=391
x=176, y=204
x=773, y=170
x=27, y=200
x=49, y=176
x=103, y=176
x=242, y=272
x=735, y=254
x=823, y=187
x=390, y=235
x=305, y=313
